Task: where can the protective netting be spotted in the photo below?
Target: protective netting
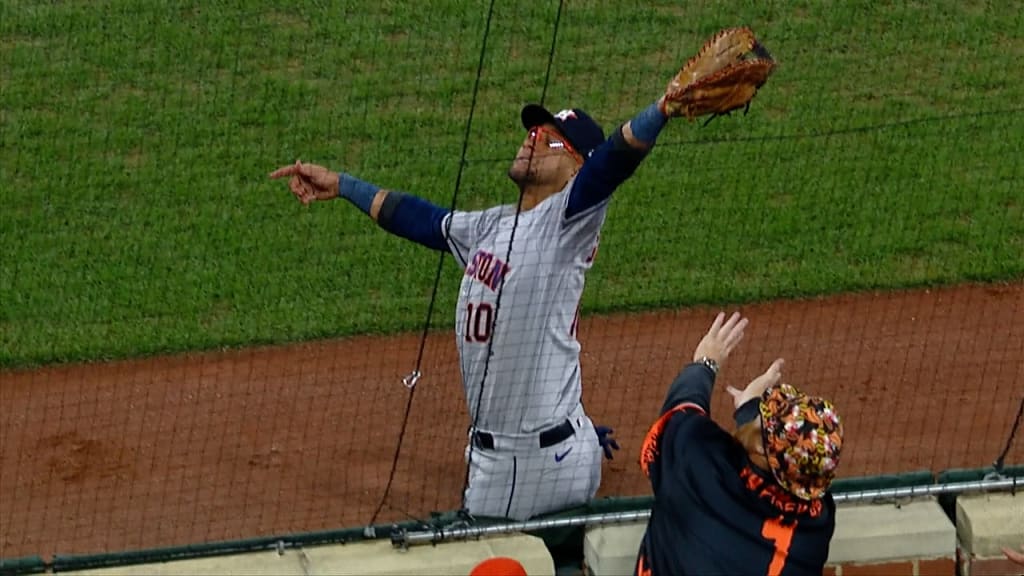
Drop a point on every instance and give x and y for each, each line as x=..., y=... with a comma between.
x=866, y=215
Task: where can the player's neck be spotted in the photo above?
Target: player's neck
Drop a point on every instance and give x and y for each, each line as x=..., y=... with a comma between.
x=534, y=195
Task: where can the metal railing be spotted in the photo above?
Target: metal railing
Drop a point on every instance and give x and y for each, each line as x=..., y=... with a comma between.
x=466, y=531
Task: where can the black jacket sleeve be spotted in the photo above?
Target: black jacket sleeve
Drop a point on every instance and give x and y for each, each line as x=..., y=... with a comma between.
x=692, y=385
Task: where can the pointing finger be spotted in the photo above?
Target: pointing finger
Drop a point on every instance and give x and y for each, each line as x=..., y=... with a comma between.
x=289, y=170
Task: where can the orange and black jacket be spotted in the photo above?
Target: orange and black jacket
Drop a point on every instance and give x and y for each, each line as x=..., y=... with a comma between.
x=714, y=512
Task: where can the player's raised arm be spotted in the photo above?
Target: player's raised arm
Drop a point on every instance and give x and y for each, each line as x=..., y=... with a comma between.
x=614, y=162
x=401, y=214
x=723, y=76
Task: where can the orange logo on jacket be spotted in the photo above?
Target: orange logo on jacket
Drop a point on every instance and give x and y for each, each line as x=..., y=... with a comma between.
x=778, y=497
x=652, y=442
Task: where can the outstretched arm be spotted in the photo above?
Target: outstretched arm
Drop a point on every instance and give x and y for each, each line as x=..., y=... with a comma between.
x=689, y=396
x=401, y=214
x=694, y=383
x=723, y=76
x=614, y=162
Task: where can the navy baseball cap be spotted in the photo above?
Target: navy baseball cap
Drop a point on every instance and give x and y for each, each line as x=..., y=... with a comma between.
x=576, y=125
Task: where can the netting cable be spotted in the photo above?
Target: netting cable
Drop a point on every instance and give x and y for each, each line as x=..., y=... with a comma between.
x=1001, y=460
x=508, y=258
x=412, y=378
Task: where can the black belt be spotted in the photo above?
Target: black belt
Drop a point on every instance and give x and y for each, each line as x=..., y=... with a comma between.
x=549, y=437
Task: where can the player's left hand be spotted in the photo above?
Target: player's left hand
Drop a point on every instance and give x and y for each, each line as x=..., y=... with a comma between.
x=606, y=441
x=309, y=182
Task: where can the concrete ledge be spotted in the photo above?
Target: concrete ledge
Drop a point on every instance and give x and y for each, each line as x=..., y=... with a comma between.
x=457, y=558
x=373, y=558
x=267, y=563
x=878, y=533
x=612, y=550
x=987, y=522
x=915, y=567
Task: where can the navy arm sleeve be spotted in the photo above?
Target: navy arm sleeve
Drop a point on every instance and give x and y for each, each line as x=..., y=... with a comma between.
x=615, y=161
x=747, y=412
x=692, y=385
x=414, y=219
x=611, y=164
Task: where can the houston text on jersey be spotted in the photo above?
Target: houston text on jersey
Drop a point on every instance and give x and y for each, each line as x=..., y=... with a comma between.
x=487, y=269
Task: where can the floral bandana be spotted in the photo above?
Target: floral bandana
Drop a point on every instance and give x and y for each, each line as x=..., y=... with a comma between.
x=802, y=438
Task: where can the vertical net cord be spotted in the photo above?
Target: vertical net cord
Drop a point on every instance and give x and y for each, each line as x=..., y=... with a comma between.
x=437, y=276
x=508, y=257
x=1001, y=460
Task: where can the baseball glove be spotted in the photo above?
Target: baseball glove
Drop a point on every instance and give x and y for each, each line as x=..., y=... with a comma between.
x=723, y=76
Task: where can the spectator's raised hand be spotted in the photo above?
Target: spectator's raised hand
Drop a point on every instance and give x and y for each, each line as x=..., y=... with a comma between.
x=758, y=385
x=721, y=338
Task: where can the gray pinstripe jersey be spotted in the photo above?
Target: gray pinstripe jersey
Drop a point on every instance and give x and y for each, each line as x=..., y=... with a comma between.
x=533, y=377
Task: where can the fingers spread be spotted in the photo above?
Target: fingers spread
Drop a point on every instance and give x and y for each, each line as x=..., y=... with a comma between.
x=734, y=335
x=731, y=323
x=717, y=324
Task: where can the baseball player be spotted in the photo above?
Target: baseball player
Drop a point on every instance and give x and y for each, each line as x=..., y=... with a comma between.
x=756, y=502
x=532, y=449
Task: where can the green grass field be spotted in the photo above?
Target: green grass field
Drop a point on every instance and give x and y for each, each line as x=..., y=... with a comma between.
x=137, y=134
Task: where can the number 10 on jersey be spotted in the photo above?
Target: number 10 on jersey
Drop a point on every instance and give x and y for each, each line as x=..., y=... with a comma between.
x=479, y=322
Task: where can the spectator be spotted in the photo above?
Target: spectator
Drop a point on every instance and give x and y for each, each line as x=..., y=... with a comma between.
x=753, y=502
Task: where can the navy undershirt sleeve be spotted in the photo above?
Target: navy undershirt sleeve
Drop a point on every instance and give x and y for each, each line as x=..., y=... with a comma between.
x=613, y=162
x=607, y=168
x=414, y=219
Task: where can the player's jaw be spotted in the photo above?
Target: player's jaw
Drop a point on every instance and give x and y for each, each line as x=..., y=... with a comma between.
x=533, y=172
x=525, y=167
